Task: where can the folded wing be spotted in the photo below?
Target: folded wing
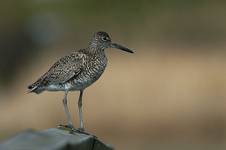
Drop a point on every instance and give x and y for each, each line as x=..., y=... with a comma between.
x=66, y=68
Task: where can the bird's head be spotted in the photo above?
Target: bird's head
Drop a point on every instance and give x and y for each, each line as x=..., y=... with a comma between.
x=102, y=41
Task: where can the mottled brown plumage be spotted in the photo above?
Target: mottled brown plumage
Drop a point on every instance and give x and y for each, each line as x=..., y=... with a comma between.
x=63, y=70
x=77, y=71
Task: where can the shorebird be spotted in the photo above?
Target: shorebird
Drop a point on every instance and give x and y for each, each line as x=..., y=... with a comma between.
x=77, y=71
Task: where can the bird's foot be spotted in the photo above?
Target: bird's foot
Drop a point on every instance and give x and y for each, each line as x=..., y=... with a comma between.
x=82, y=131
x=67, y=127
x=72, y=130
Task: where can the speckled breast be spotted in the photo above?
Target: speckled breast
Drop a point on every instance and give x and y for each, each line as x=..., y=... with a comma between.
x=92, y=71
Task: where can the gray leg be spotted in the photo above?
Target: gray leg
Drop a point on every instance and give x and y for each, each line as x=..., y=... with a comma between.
x=80, y=110
x=67, y=110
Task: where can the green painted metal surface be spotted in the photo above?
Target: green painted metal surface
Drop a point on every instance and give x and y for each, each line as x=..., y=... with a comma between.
x=53, y=139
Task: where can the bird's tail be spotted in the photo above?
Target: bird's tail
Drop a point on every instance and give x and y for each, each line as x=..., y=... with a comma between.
x=35, y=87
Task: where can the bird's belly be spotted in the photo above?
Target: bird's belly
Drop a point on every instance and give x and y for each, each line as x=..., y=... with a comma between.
x=56, y=87
x=77, y=84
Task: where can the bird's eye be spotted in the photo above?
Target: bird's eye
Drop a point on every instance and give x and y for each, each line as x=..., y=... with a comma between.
x=104, y=38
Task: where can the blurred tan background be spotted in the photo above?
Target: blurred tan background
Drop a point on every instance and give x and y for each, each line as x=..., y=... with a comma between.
x=170, y=94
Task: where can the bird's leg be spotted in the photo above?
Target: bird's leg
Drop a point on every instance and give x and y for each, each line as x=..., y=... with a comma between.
x=70, y=124
x=80, y=111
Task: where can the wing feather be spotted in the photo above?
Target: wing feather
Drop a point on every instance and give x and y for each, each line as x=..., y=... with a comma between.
x=64, y=69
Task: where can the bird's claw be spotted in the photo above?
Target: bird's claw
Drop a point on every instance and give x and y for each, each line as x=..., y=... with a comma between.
x=82, y=131
x=71, y=129
x=66, y=127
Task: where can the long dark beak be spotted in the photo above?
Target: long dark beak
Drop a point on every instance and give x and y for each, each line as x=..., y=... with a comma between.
x=115, y=45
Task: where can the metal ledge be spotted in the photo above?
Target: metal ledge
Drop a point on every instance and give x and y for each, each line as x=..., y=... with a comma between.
x=53, y=139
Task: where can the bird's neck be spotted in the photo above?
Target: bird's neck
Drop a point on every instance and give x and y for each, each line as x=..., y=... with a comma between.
x=95, y=49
